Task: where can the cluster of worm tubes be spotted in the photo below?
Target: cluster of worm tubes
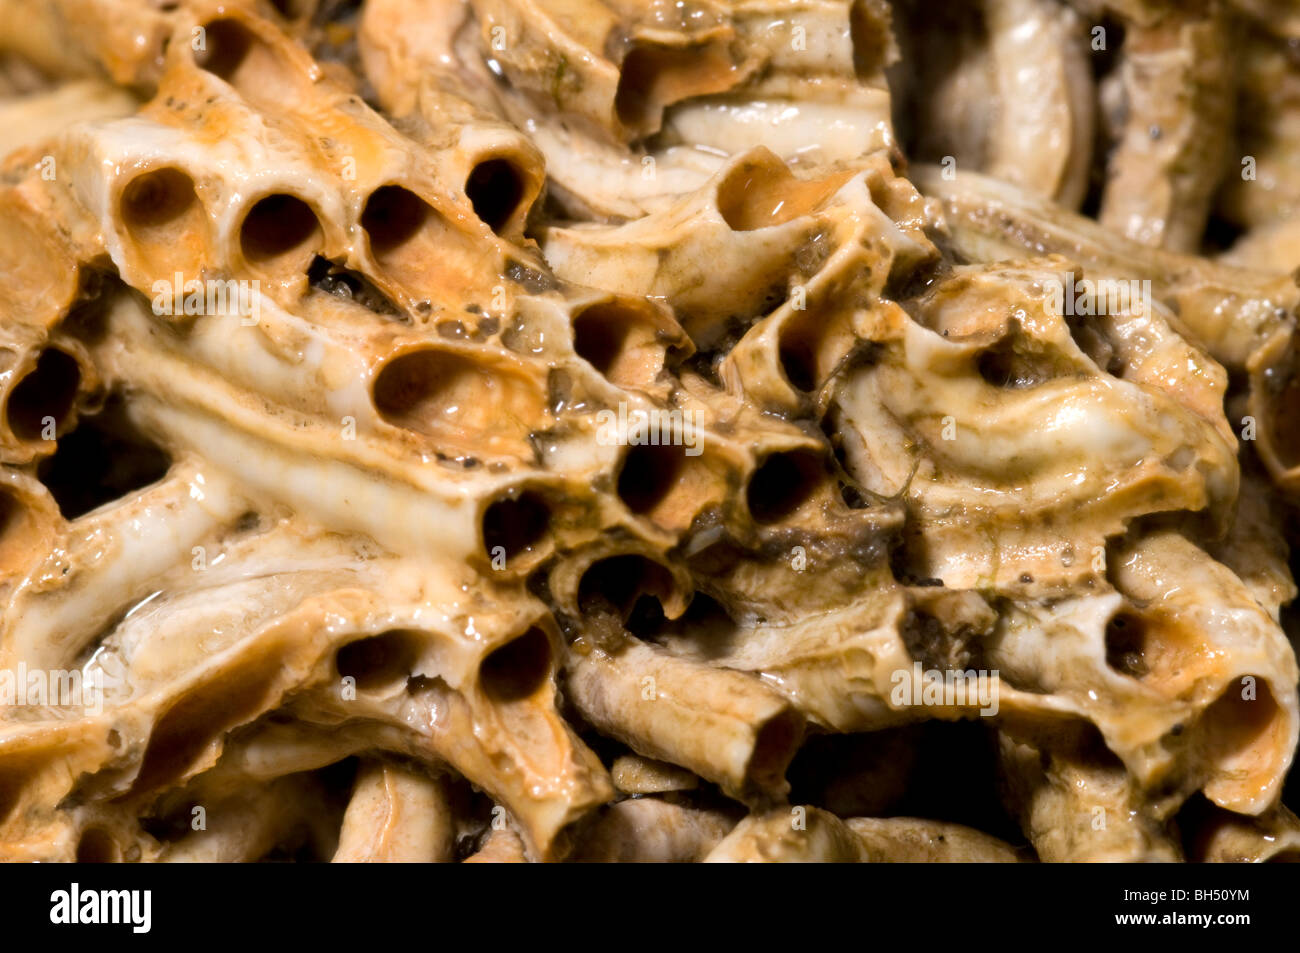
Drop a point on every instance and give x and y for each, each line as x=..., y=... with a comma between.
x=437, y=448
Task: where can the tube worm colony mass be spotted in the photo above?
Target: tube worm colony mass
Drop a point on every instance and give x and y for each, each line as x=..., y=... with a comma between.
x=315, y=318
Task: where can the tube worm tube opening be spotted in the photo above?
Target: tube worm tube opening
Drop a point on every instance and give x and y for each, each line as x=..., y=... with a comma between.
x=392, y=219
x=600, y=335
x=760, y=192
x=165, y=220
x=379, y=661
x=280, y=231
x=1126, y=644
x=496, y=189
x=161, y=212
x=104, y=459
x=774, y=749
x=157, y=199
x=1012, y=363
x=652, y=77
x=625, y=341
x=518, y=669
x=783, y=482
x=97, y=847
x=413, y=382
x=480, y=409
x=1244, y=737
x=182, y=735
x=261, y=72
x=515, y=524
x=671, y=482
x=417, y=251
x=618, y=581
x=812, y=343
x=226, y=45
x=798, y=356
x=635, y=82
x=46, y=394
x=649, y=475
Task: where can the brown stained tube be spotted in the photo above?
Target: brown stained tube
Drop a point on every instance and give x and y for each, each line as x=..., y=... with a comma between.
x=802, y=834
x=396, y=815
x=1042, y=136
x=1076, y=808
x=651, y=830
x=633, y=774
x=919, y=840
x=423, y=243
x=726, y=726
x=1275, y=388
x=245, y=827
x=810, y=349
x=1179, y=82
x=184, y=733
x=499, y=168
x=506, y=737
x=609, y=573
x=652, y=77
x=620, y=88
x=1233, y=313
